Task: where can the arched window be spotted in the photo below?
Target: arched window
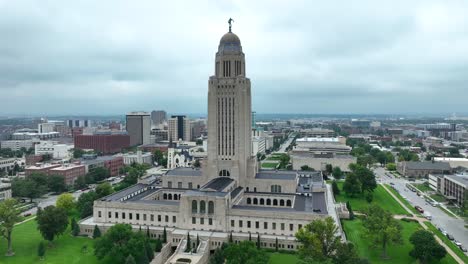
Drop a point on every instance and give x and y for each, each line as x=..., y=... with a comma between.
x=281, y=202
x=255, y=189
x=262, y=201
x=276, y=188
x=194, y=207
x=169, y=196
x=202, y=207
x=268, y=202
x=165, y=196
x=255, y=201
x=288, y=203
x=176, y=196
x=275, y=202
x=211, y=207
x=247, y=189
x=249, y=201
x=224, y=173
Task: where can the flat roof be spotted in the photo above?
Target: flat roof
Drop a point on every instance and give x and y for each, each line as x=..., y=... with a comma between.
x=205, y=193
x=276, y=175
x=123, y=193
x=460, y=179
x=427, y=165
x=218, y=184
x=184, y=172
x=318, y=139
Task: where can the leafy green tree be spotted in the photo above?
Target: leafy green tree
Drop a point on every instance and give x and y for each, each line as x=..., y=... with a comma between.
x=346, y=253
x=96, y=232
x=56, y=183
x=306, y=168
x=381, y=228
x=276, y=245
x=196, y=163
x=217, y=257
x=66, y=201
x=80, y=183
x=130, y=260
x=158, y=245
x=78, y=153
x=335, y=189
x=28, y=187
x=352, y=185
x=258, y=241
x=245, y=253
x=51, y=222
x=164, y=235
x=369, y=197
x=426, y=248
x=104, y=189
x=75, y=227
x=189, y=244
x=41, y=250
x=350, y=210
x=318, y=239
x=160, y=158
x=9, y=216
x=329, y=169
x=99, y=174
x=85, y=203
x=365, y=176
x=337, y=173
x=391, y=166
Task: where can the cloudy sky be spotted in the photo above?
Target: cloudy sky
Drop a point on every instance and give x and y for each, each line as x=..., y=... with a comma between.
x=110, y=57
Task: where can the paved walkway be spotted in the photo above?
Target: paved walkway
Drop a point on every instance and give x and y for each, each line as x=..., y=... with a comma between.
x=421, y=222
x=24, y=221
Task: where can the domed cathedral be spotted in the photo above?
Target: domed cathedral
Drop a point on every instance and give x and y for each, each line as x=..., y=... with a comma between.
x=229, y=115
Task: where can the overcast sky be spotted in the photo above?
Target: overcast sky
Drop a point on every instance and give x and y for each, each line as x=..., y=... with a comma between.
x=110, y=57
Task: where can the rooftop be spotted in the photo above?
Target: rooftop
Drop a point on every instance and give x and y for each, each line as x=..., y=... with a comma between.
x=218, y=184
x=427, y=165
x=315, y=203
x=458, y=178
x=276, y=175
x=184, y=172
x=125, y=192
x=318, y=139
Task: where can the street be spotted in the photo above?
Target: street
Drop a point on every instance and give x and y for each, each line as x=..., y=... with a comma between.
x=285, y=145
x=451, y=225
x=50, y=200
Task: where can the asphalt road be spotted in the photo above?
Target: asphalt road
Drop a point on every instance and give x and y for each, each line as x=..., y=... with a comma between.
x=451, y=225
x=285, y=145
x=49, y=200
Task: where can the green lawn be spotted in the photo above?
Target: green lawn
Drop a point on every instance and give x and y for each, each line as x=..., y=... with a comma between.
x=404, y=201
x=438, y=198
x=423, y=187
x=282, y=258
x=449, y=243
x=381, y=198
x=274, y=157
x=66, y=249
x=269, y=165
x=397, y=253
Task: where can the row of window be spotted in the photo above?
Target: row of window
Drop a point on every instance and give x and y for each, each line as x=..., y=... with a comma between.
x=274, y=225
x=202, y=209
x=123, y=215
x=201, y=221
x=226, y=122
x=170, y=196
x=268, y=201
x=180, y=185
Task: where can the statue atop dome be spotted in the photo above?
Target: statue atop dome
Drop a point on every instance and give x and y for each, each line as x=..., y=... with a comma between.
x=230, y=23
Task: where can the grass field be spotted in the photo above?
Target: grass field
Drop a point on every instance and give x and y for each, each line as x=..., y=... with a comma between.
x=269, y=165
x=66, y=249
x=404, y=201
x=423, y=187
x=449, y=243
x=397, y=253
x=282, y=258
x=381, y=198
x=438, y=198
x=274, y=157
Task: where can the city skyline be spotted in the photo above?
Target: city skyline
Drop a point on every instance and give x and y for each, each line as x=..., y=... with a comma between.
x=93, y=59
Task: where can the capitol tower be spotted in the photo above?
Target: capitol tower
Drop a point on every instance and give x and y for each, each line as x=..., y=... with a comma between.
x=229, y=115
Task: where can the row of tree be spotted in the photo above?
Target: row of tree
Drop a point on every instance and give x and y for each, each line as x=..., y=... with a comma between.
x=360, y=180
x=37, y=184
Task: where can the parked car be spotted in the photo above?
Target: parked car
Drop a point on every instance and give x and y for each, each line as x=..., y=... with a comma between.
x=450, y=237
x=457, y=243
x=419, y=209
x=462, y=248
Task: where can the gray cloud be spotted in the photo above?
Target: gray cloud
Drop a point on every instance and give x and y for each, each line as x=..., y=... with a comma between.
x=108, y=57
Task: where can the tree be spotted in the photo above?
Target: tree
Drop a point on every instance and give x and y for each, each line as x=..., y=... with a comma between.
x=329, y=169
x=189, y=244
x=352, y=185
x=66, y=201
x=56, y=183
x=335, y=189
x=391, y=166
x=158, y=245
x=96, y=232
x=28, y=187
x=9, y=216
x=337, y=173
x=276, y=244
x=426, y=249
x=369, y=197
x=245, y=253
x=80, y=183
x=365, y=176
x=196, y=163
x=78, y=153
x=51, y=222
x=130, y=260
x=318, y=239
x=85, y=203
x=41, y=249
x=381, y=228
x=258, y=240
x=346, y=253
x=306, y=168
x=164, y=235
x=350, y=210
x=160, y=158
x=75, y=227
x=99, y=174
x=230, y=240
x=149, y=250
x=104, y=189
x=119, y=242
x=217, y=257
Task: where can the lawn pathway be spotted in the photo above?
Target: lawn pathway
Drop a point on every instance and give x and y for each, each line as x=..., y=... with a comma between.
x=421, y=222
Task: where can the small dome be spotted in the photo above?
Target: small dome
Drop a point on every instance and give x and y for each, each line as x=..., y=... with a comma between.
x=230, y=38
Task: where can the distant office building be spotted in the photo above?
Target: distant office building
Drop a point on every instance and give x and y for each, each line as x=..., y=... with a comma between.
x=158, y=116
x=105, y=143
x=360, y=123
x=334, y=145
x=416, y=169
x=45, y=127
x=34, y=135
x=16, y=145
x=112, y=163
x=78, y=123
x=258, y=145
x=138, y=157
x=160, y=134
x=198, y=128
x=319, y=162
x=138, y=128
x=316, y=132
x=115, y=126
x=179, y=128
x=40, y=168
x=455, y=188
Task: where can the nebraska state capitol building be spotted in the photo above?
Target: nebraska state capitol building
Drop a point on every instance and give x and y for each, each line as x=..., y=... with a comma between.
x=229, y=194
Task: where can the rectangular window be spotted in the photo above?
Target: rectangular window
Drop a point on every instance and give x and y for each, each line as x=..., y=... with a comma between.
x=144, y=217
x=179, y=185
x=116, y=215
x=137, y=216
x=194, y=220
x=109, y=214
x=282, y=226
x=166, y=218
x=232, y=223
x=174, y=219
x=273, y=225
x=291, y=227
x=130, y=216
x=299, y=226
x=240, y=223
x=123, y=215
x=248, y=224
x=190, y=185
x=265, y=225
x=152, y=218
x=210, y=221
x=159, y=218
x=169, y=184
x=99, y=213
x=202, y=221
x=257, y=224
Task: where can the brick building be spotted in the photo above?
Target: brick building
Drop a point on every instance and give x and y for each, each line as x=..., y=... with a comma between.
x=112, y=163
x=105, y=143
x=69, y=171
